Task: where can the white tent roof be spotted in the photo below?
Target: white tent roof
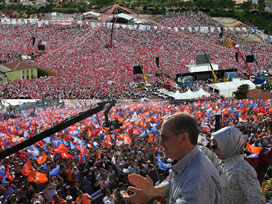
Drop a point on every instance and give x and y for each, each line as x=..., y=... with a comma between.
x=201, y=92
x=223, y=86
x=91, y=13
x=239, y=82
x=189, y=94
x=14, y=102
x=125, y=16
x=227, y=88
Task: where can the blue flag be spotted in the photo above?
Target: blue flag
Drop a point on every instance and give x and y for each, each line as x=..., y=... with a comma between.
x=83, y=158
x=24, y=113
x=47, y=139
x=55, y=171
x=44, y=166
x=8, y=193
x=3, y=177
x=72, y=145
x=162, y=165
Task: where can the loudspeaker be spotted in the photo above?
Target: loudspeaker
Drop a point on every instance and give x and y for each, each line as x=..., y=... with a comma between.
x=157, y=61
x=250, y=58
x=218, y=120
x=221, y=35
x=236, y=56
x=137, y=70
x=41, y=47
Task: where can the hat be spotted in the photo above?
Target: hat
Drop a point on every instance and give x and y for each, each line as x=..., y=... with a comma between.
x=69, y=197
x=36, y=202
x=67, y=187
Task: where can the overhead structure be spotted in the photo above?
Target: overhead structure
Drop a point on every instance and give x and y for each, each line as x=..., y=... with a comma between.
x=259, y=77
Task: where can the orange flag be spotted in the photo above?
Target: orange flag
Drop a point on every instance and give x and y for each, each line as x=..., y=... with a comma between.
x=150, y=138
x=27, y=168
x=253, y=149
x=42, y=159
x=127, y=139
x=90, y=133
x=37, y=177
x=255, y=118
x=99, y=155
x=31, y=176
x=62, y=146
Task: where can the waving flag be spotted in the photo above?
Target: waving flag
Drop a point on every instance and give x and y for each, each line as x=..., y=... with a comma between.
x=3, y=177
x=162, y=165
x=42, y=159
x=47, y=139
x=65, y=155
x=27, y=168
x=37, y=177
x=253, y=149
x=9, y=177
x=7, y=194
x=62, y=146
x=55, y=171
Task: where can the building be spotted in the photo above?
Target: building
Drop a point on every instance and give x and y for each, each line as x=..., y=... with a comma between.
x=17, y=70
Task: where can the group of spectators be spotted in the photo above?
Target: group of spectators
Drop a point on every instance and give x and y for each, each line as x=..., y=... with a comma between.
x=94, y=160
x=85, y=68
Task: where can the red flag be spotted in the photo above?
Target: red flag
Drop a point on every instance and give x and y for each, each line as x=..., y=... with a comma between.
x=80, y=159
x=42, y=159
x=27, y=168
x=136, y=132
x=65, y=155
x=9, y=177
x=99, y=155
x=58, y=150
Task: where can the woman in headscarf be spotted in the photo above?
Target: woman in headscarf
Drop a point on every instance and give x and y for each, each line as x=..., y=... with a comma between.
x=238, y=177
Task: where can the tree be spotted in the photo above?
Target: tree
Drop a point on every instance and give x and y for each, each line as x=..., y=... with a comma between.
x=261, y=6
x=267, y=87
x=241, y=92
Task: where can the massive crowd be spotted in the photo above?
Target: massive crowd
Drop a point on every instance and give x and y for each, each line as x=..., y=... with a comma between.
x=91, y=161
x=85, y=68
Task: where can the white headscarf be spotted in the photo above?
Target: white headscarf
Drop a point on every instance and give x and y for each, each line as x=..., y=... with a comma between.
x=230, y=141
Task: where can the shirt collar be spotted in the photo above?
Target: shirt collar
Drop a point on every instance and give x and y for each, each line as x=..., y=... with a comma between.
x=183, y=162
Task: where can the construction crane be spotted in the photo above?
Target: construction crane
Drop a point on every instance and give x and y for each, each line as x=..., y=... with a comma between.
x=259, y=78
x=145, y=79
x=215, y=80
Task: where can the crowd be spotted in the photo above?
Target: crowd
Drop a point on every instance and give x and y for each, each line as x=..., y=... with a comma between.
x=90, y=161
x=85, y=68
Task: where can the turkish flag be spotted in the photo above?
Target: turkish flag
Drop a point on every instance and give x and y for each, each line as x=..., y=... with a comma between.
x=65, y=155
x=9, y=177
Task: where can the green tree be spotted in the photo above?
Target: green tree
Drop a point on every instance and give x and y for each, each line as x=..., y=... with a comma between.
x=246, y=6
x=261, y=6
x=241, y=92
x=267, y=87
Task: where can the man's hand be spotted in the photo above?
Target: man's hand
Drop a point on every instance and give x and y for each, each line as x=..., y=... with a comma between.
x=143, y=183
x=138, y=195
